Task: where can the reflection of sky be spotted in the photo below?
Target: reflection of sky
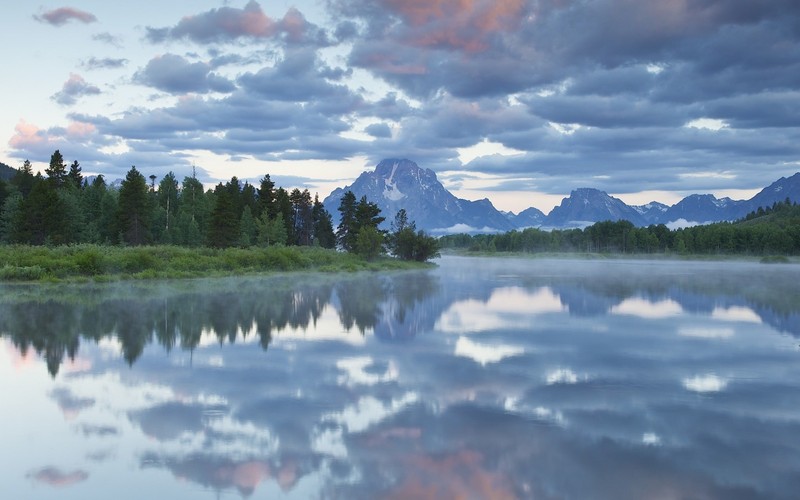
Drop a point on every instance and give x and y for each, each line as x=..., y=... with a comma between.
x=509, y=389
x=507, y=307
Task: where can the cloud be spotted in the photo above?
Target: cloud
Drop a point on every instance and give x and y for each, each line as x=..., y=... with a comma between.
x=109, y=39
x=229, y=24
x=174, y=74
x=705, y=383
x=73, y=89
x=299, y=76
x=103, y=63
x=587, y=96
x=63, y=15
x=451, y=24
x=55, y=477
x=378, y=130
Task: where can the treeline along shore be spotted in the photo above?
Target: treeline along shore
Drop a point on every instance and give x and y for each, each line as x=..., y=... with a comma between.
x=771, y=231
x=61, y=225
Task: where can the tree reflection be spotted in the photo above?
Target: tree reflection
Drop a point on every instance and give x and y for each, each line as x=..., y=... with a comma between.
x=226, y=309
x=393, y=307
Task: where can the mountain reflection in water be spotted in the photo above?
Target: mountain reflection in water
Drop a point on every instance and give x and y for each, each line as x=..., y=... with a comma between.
x=484, y=378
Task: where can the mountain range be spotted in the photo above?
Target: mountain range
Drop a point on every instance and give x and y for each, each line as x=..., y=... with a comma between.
x=401, y=183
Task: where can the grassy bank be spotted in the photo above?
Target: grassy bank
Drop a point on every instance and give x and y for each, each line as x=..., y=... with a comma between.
x=107, y=263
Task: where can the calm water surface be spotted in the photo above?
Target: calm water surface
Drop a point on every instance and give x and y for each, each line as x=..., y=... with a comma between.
x=484, y=378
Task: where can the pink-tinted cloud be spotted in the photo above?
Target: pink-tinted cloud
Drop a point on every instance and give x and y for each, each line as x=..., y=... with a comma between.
x=80, y=130
x=34, y=142
x=462, y=24
x=26, y=135
x=63, y=15
x=57, y=478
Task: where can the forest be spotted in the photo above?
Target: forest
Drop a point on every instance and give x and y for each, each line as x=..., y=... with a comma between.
x=63, y=208
x=773, y=230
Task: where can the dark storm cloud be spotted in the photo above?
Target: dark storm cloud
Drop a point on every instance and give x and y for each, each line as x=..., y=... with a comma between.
x=73, y=89
x=104, y=63
x=61, y=16
x=174, y=74
x=230, y=24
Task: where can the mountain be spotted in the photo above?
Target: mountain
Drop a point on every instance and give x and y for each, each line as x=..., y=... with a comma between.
x=653, y=212
x=585, y=206
x=400, y=183
x=6, y=172
x=704, y=208
x=777, y=191
x=530, y=217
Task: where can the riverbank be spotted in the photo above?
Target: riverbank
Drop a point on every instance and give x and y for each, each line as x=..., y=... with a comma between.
x=766, y=259
x=78, y=263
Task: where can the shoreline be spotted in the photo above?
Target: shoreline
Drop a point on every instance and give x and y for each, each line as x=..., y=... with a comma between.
x=102, y=264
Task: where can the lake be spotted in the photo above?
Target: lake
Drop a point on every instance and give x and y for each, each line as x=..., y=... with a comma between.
x=483, y=378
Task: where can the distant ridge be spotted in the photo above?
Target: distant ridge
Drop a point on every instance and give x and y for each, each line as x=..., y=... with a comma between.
x=401, y=183
x=6, y=172
x=586, y=206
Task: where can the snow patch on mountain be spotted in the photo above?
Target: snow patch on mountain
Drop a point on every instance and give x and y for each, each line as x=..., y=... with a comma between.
x=390, y=190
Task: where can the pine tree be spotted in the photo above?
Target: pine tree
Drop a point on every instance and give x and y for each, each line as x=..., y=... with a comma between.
x=223, y=225
x=57, y=170
x=345, y=233
x=266, y=197
x=283, y=206
x=134, y=210
x=24, y=178
x=75, y=175
x=323, y=225
x=301, y=216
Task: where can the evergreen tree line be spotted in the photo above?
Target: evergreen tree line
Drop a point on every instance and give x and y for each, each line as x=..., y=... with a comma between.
x=771, y=230
x=61, y=207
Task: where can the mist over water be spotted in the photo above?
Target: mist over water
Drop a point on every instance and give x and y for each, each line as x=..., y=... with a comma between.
x=483, y=378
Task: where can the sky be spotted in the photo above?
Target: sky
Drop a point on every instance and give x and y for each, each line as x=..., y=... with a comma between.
x=512, y=100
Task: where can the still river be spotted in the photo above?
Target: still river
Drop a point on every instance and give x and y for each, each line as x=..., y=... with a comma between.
x=482, y=378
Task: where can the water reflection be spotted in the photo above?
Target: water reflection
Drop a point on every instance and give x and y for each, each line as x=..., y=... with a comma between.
x=53, y=322
x=481, y=379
